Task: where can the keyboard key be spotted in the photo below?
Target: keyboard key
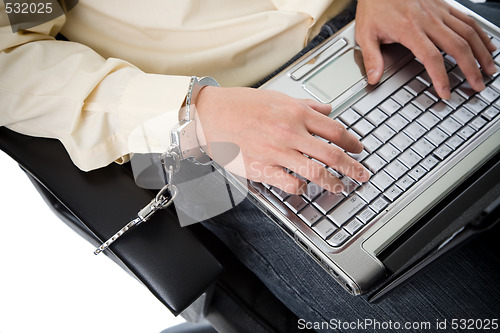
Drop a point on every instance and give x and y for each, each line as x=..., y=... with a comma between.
x=353, y=226
x=333, y=172
x=475, y=105
x=376, y=117
x=458, y=73
x=338, y=238
x=396, y=169
x=477, y=123
x=489, y=94
x=295, y=203
x=382, y=180
x=463, y=115
x=410, y=112
x=409, y=158
x=349, y=185
x=455, y=141
x=384, y=133
x=417, y=172
x=490, y=113
x=363, y=127
x=432, y=93
x=454, y=81
x=326, y=201
x=374, y=163
x=390, y=106
x=415, y=131
x=442, y=152
x=379, y=204
x=393, y=193
x=350, y=130
x=450, y=126
x=388, y=87
x=466, y=90
x=371, y=143
x=455, y=101
x=403, y=96
x=388, y=152
x=366, y=215
x=450, y=59
x=282, y=195
x=425, y=78
x=401, y=141
x=349, y=117
x=312, y=191
x=405, y=182
x=416, y=87
x=310, y=215
x=423, y=147
x=359, y=157
x=441, y=110
x=428, y=120
x=436, y=136
x=429, y=162
x=423, y=102
x=368, y=191
x=346, y=210
x=324, y=228
x=466, y=132
x=397, y=122
x=496, y=83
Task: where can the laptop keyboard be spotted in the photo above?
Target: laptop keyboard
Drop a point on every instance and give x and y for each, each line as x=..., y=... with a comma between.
x=407, y=130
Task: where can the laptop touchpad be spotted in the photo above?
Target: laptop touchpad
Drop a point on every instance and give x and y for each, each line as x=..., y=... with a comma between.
x=336, y=77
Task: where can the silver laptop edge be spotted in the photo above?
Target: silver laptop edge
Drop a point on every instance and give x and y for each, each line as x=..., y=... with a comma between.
x=355, y=264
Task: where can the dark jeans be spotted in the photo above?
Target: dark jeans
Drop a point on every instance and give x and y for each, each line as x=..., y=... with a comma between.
x=464, y=285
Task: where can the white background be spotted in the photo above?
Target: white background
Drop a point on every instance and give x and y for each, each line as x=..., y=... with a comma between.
x=50, y=280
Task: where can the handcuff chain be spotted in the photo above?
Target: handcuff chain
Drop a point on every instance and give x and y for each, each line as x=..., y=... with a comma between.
x=163, y=199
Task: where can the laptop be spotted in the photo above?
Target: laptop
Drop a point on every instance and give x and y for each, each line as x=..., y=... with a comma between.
x=434, y=163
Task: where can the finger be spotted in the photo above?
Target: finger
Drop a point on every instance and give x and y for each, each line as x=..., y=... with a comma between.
x=471, y=22
x=372, y=56
x=313, y=171
x=332, y=131
x=427, y=52
x=278, y=177
x=459, y=48
x=476, y=42
x=337, y=159
x=325, y=109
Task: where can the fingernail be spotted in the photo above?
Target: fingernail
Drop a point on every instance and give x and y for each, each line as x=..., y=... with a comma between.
x=445, y=92
x=360, y=147
x=372, y=76
x=364, y=176
x=492, y=69
x=492, y=46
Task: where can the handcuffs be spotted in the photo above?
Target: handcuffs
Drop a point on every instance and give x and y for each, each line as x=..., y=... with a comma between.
x=183, y=145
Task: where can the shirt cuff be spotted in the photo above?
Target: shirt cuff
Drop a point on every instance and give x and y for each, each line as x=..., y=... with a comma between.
x=128, y=112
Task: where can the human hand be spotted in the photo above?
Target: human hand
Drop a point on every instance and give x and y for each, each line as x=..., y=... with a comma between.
x=423, y=26
x=273, y=131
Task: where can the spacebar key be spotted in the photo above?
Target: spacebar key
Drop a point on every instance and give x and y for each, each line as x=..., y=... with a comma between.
x=342, y=213
x=383, y=91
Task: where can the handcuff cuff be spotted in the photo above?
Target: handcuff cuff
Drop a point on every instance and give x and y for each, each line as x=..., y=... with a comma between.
x=183, y=145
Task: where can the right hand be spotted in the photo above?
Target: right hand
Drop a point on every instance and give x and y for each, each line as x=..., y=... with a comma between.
x=273, y=131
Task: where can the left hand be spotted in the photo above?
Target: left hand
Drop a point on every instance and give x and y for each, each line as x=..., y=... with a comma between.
x=423, y=26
